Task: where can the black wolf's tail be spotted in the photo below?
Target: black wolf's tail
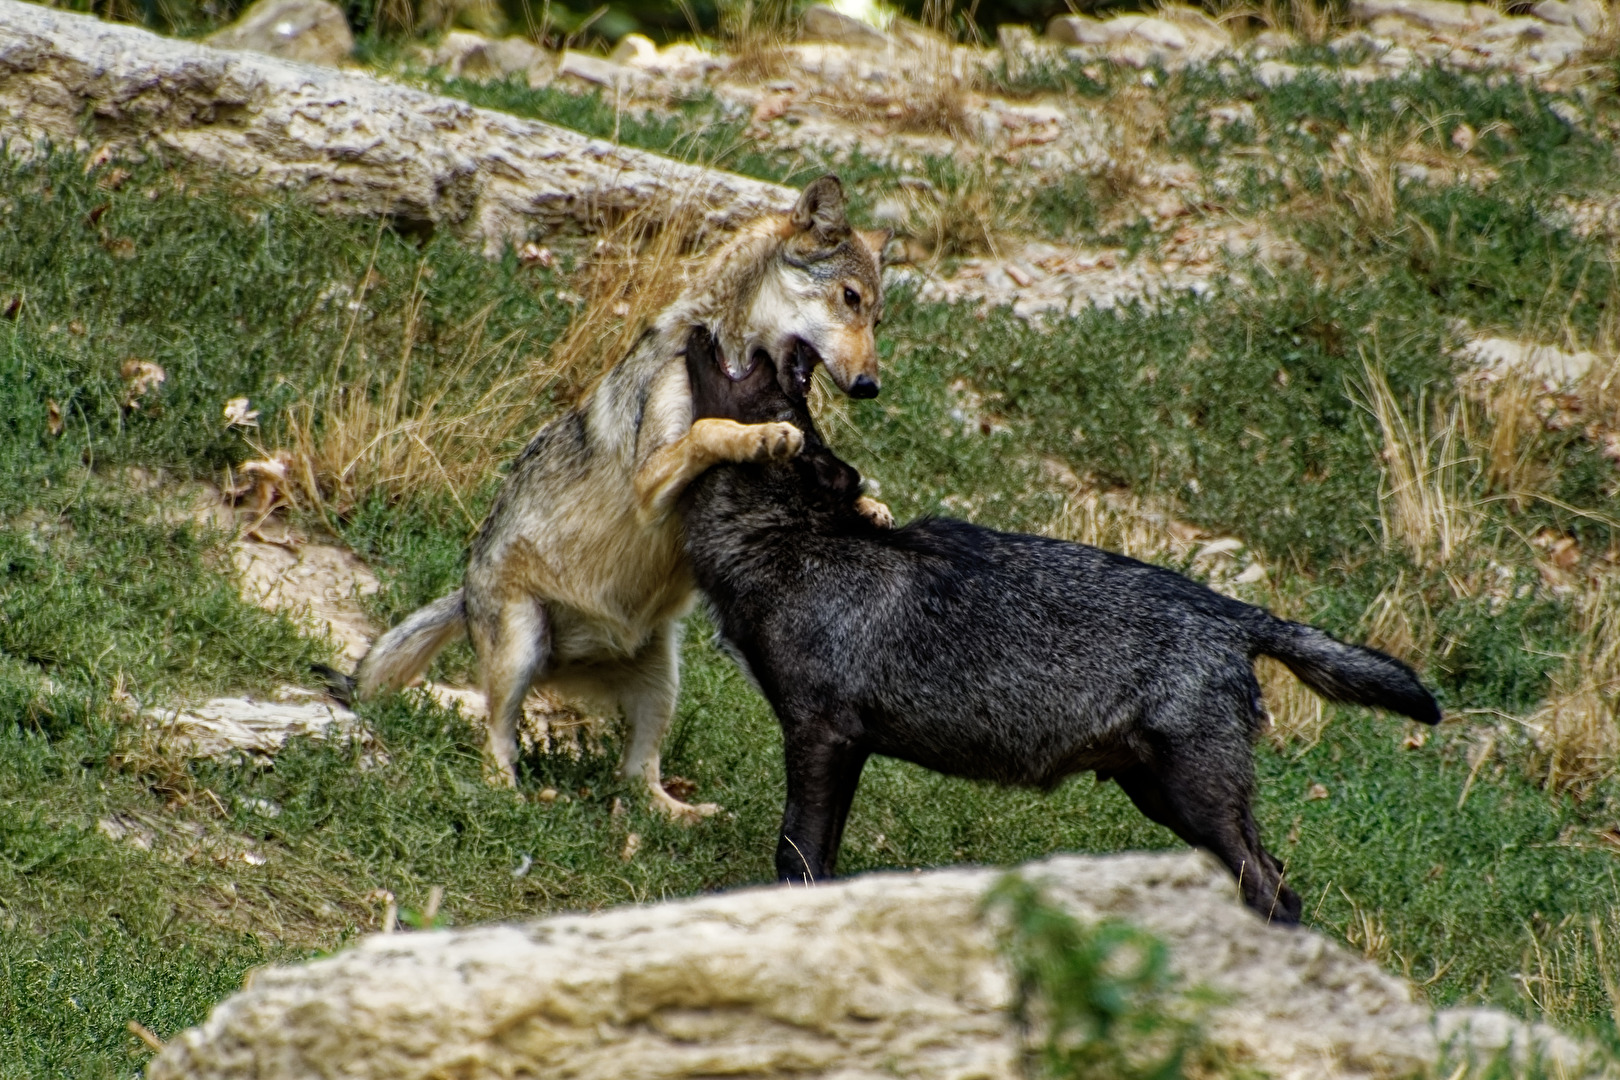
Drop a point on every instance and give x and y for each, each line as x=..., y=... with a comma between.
x=1349, y=673
x=339, y=685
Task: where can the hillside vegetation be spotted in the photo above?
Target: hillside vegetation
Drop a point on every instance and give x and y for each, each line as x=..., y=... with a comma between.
x=1307, y=430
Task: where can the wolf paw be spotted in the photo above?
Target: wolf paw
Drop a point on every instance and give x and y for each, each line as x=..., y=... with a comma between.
x=682, y=812
x=776, y=441
x=875, y=512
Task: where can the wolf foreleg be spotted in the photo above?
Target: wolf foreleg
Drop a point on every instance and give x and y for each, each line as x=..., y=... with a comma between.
x=709, y=442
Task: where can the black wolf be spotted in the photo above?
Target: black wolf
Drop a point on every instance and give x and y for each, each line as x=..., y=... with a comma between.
x=984, y=654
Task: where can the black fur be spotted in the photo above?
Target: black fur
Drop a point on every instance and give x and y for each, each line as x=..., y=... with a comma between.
x=1018, y=659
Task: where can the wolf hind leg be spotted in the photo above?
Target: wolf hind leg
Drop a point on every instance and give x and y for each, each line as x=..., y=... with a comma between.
x=647, y=689
x=1202, y=795
x=514, y=649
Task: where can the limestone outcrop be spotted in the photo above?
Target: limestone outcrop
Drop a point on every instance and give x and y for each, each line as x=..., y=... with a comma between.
x=893, y=975
x=309, y=31
x=347, y=140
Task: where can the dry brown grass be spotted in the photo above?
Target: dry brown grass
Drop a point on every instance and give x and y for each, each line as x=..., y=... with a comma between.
x=967, y=213
x=1136, y=119
x=1577, y=730
x=1298, y=717
x=1425, y=506
x=755, y=34
x=347, y=440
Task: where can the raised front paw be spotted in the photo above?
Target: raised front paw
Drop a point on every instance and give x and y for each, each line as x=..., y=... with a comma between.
x=776, y=441
x=875, y=512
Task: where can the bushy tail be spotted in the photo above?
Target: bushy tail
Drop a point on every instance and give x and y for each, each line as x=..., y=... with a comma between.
x=405, y=651
x=1349, y=673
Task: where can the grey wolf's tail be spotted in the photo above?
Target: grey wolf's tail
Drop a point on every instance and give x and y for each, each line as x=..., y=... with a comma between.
x=1350, y=673
x=404, y=652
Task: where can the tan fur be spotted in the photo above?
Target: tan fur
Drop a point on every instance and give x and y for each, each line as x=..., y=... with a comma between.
x=578, y=577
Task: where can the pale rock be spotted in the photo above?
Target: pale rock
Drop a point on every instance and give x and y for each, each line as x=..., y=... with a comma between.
x=319, y=585
x=597, y=71
x=308, y=31
x=884, y=976
x=1436, y=15
x=343, y=139
x=223, y=727
x=1557, y=45
x=822, y=23
x=637, y=50
x=1274, y=73
x=1503, y=356
x=914, y=35
x=463, y=54
x=1554, y=11
x=1590, y=16
x=1514, y=30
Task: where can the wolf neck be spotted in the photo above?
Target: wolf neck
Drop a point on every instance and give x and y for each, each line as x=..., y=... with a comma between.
x=722, y=294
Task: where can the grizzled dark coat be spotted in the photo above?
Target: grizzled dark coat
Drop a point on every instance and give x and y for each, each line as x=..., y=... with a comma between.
x=991, y=655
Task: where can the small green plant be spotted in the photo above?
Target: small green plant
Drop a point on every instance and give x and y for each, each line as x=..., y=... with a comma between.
x=1096, y=1002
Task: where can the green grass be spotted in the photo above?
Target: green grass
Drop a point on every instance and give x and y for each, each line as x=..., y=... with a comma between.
x=1238, y=412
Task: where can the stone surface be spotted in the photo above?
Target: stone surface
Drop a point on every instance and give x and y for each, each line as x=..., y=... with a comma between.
x=883, y=976
x=319, y=585
x=822, y=23
x=1437, y=15
x=310, y=31
x=473, y=56
x=597, y=71
x=1497, y=356
x=234, y=725
x=343, y=139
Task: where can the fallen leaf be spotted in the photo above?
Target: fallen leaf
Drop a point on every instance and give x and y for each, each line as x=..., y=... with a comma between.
x=120, y=247
x=140, y=377
x=53, y=417
x=1316, y=793
x=12, y=308
x=76, y=328
x=93, y=218
x=1415, y=740
x=237, y=413
x=112, y=179
x=679, y=787
x=632, y=844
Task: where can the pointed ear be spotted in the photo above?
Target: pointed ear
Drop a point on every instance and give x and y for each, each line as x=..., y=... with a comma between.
x=875, y=240
x=821, y=209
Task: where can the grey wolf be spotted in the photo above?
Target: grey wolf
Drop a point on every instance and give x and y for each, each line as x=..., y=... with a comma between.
x=991, y=655
x=578, y=577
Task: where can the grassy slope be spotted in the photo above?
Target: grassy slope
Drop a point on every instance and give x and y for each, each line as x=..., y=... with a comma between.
x=233, y=294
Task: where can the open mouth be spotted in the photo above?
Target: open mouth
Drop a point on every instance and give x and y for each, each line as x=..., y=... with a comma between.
x=802, y=360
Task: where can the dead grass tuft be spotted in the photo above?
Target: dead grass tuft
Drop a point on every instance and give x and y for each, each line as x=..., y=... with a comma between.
x=1136, y=120
x=1298, y=717
x=755, y=34
x=1577, y=730
x=965, y=212
x=389, y=433
x=1425, y=506
x=347, y=440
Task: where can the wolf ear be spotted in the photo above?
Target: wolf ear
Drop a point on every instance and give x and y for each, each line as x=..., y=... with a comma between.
x=821, y=210
x=875, y=240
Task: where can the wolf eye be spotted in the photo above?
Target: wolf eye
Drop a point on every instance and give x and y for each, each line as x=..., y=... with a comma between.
x=852, y=298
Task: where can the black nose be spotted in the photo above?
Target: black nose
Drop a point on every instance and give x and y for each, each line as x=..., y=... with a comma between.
x=864, y=386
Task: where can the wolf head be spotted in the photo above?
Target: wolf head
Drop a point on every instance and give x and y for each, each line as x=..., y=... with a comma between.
x=823, y=292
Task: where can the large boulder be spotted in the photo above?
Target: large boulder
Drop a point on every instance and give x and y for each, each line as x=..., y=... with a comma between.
x=341, y=138
x=309, y=31
x=879, y=977
x=823, y=23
